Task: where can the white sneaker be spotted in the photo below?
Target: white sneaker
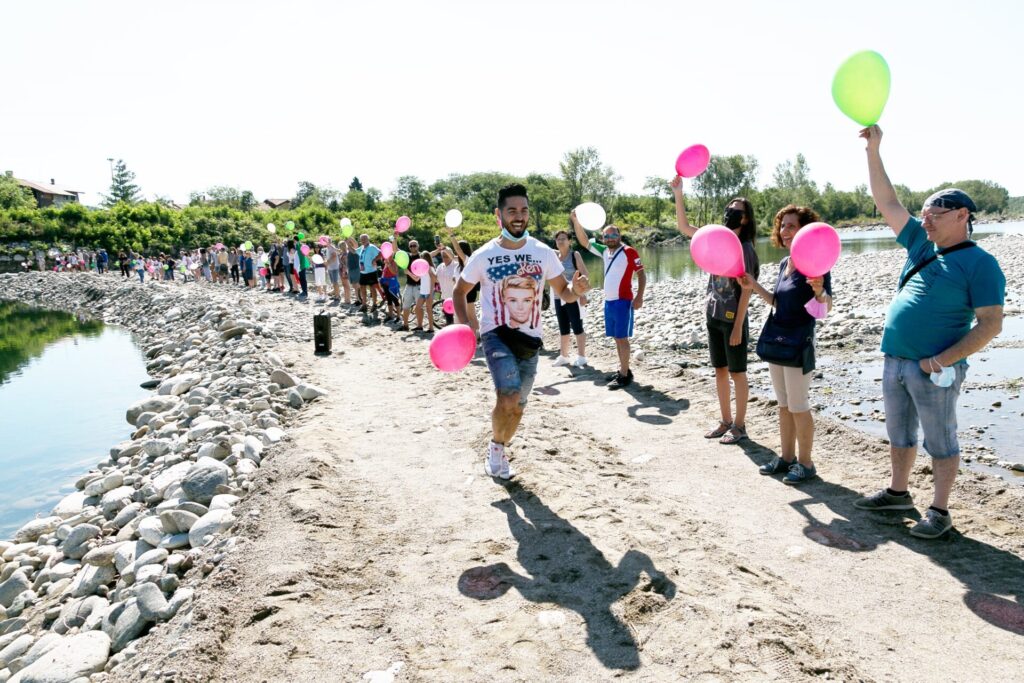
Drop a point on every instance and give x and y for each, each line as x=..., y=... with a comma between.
x=580, y=362
x=560, y=361
x=506, y=471
x=495, y=460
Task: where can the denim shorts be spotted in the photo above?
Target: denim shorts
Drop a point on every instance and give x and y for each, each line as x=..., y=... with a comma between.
x=911, y=398
x=510, y=374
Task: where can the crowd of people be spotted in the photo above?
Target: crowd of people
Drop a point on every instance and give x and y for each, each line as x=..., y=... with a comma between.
x=948, y=305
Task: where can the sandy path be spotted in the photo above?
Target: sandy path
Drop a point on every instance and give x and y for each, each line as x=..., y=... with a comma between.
x=628, y=546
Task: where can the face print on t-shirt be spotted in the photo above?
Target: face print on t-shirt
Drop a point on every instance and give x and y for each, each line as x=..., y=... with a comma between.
x=519, y=287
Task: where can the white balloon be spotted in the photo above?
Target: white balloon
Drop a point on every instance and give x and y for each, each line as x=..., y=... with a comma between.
x=345, y=222
x=271, y=227
x=453, y=218
x=318, y=259
x=591, y=216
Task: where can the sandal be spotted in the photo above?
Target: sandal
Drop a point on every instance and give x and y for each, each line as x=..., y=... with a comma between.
x=718, y=431
x=735, y=435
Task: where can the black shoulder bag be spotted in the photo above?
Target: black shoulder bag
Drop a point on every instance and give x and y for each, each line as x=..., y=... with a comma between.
x=788, y=346
x=934, y=257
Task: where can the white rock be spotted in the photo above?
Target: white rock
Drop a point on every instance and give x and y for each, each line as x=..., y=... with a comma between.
x=151, y=530
x=283, y=379
x=310, y=391
x=154, y=404
x=16, y=649
x=74, y=658
x=90, y=578
x=70, y=505
x=205, y=429
x=223, y=501
x=210, y=524
x=36, y=528
x=171, y=475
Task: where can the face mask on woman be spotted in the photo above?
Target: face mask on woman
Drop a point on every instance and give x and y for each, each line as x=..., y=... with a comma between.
x=733, y=218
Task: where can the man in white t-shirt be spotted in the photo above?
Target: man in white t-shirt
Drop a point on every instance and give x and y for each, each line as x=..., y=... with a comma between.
x=511, y=270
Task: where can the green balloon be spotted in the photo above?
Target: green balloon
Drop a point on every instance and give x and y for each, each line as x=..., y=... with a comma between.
x=346, y=231
x=290, y=225
x=248, y=246
x=301, y=236
x=402, y=259
x=861, y=87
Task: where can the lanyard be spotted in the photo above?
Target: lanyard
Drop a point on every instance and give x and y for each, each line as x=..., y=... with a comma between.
x=612, y=260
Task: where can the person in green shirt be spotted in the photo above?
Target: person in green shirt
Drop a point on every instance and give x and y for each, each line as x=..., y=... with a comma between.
x=947, y=283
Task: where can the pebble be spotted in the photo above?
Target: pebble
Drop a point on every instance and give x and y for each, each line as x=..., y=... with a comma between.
x=74, y=658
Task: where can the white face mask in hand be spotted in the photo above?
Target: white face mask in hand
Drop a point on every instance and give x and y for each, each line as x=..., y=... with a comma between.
x=944, y=378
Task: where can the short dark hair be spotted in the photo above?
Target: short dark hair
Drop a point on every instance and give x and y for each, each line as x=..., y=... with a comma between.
x=511, y=190
x=563, y=232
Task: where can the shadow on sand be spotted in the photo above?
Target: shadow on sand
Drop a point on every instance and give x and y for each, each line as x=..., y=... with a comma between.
x=565, y=569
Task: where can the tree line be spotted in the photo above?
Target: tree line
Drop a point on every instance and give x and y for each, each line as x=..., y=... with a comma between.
x=230, y=214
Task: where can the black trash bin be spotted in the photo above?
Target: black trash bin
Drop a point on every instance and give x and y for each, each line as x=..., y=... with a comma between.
x=322, y=333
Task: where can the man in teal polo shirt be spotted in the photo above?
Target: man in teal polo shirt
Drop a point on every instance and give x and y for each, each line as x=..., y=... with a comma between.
x=947, y=282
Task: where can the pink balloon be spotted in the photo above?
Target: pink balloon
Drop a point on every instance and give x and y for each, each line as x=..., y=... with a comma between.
x=452, y=348
x=263, y=272
x=815, y=249
x=693, y=161
x=219, y=245
x=324, y=239
x=387, y=249
x=717, y=250
x=419, y=267
x=402, y=224
x=448, y=307
x=305, y=250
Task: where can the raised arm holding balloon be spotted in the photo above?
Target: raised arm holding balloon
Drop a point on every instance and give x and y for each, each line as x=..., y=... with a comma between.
x=928, y=336
x=726, y=252
x=682, y=224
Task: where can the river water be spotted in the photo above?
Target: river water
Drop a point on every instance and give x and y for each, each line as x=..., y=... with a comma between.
x=64, y=389
x=662, y=263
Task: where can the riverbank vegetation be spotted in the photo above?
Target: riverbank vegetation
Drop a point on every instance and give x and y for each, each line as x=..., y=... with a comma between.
x=232, y=215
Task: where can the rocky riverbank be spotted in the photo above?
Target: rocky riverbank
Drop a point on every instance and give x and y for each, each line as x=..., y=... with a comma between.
x=122, y=554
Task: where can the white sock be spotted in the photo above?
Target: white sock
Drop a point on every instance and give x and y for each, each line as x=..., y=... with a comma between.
x=495, y=452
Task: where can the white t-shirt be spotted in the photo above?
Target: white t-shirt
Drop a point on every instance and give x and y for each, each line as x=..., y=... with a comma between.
x=512, y=283
x=447, y=276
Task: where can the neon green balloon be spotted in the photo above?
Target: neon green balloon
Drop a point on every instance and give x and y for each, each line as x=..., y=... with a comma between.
x=861, y=87
x=301, y=236
x=290, y=225
x=346, y=231
x=402, y=259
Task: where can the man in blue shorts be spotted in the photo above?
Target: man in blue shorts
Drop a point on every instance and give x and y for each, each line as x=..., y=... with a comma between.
x=946, y=282
x=511, y=269
x=621, y=261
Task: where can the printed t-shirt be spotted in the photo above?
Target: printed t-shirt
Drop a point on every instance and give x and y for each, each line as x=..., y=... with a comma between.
x=724, y=292
x=935, y=309
x=512, y=283
x=619, y=266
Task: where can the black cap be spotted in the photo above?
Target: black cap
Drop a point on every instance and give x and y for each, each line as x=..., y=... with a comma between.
x=951, y=198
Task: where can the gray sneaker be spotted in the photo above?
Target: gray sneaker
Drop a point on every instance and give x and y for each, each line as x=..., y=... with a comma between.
x=933, y=525
x=883, y=500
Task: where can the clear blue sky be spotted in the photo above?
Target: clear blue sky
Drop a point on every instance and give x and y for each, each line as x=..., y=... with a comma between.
x=261, y=95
